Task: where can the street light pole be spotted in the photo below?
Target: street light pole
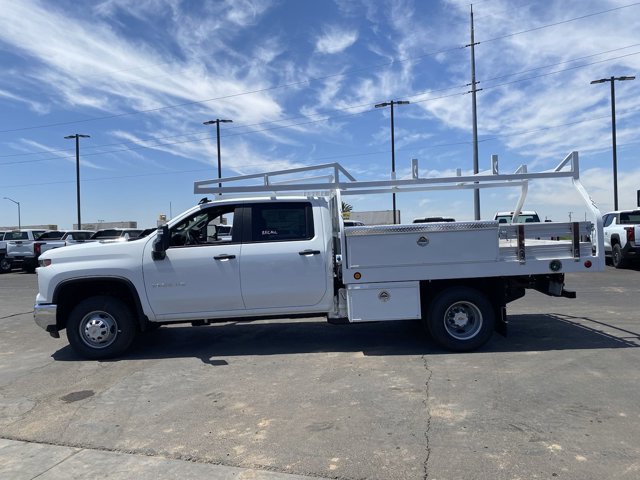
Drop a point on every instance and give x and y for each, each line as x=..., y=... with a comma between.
x=613, y=132
x=393, y=146
x=218, y=121
x=77, y=137
x=18, y=204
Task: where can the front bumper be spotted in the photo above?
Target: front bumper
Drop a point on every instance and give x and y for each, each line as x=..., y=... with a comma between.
x=45, y=316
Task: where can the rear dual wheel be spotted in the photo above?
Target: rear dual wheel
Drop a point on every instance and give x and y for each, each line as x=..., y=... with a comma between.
x=460, y=319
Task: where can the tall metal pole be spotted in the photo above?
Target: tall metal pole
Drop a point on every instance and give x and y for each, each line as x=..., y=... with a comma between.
x=393, y=148
x=476, y=191
x=78, y=180
x=612, y=80
x=18, y=204
x=615, y=149
x=77, y=137
x=393, y=163
x=217, y=122
x=219, y=161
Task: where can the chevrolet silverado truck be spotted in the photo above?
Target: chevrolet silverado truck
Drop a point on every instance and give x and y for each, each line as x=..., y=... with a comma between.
x=5, y=262
x=622, y=236
x=289, y=254
x=20, y=248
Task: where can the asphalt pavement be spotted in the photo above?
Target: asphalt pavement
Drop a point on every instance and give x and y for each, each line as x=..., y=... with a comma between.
x=299, y=398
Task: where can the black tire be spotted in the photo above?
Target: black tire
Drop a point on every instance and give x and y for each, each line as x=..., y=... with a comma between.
x=101, y=327
x=617, y=258
x=460, y=319
x=5, y=265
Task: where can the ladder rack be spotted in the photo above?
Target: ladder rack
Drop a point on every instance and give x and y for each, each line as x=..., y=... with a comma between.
x=336, y=177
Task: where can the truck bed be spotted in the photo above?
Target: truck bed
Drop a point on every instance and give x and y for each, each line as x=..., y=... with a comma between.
x=465, y=250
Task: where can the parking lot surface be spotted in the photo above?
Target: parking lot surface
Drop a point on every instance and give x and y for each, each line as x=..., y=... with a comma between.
x=557, y=398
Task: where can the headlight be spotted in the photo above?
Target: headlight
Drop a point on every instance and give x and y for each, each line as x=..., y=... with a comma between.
x=44, y=263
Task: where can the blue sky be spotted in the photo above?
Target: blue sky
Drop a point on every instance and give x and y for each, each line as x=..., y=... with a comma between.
x=300, y=80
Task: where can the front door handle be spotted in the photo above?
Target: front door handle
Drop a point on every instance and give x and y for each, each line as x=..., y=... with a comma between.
x=224, y=256
x=309, y=252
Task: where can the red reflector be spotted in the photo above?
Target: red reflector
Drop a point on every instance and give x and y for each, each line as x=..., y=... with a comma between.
x=631, y=234
x=588, y=264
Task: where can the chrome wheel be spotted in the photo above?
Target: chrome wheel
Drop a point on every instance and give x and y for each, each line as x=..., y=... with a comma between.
x=98, y=329
x=463, y=320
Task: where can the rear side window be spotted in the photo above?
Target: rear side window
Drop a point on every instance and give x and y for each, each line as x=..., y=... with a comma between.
x=107, y=234
x=629, y=218
x=281, y=222
x=79, y=235
x=51, y=236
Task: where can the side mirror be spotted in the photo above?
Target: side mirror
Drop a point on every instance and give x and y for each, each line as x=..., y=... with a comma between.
x=161, y=243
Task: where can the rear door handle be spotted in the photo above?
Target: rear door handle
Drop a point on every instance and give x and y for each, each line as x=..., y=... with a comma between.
x=224, y=256
x=309, y=252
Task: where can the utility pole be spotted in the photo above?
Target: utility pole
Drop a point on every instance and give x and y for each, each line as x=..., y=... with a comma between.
x=476, y=191
x=77, y=137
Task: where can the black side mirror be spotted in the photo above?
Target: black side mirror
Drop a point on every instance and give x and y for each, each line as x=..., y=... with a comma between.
x=161, y=243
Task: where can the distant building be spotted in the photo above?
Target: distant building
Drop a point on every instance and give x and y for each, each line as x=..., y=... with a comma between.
x=32, y=227
x=375, y=217
x=103, y=225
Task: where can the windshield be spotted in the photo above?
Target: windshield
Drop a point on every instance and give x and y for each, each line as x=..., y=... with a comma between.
x=22, y=235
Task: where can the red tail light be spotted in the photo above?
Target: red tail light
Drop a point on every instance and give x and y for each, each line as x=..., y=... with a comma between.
x=631, y=234
x=37, y=249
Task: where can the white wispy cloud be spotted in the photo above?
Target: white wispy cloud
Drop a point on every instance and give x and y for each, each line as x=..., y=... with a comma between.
x=335, y=40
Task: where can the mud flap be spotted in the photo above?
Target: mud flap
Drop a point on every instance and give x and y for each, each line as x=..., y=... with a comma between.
x=502, y=323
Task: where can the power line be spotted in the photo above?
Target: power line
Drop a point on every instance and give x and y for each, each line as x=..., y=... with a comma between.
x=559, y=23
x=335, y=157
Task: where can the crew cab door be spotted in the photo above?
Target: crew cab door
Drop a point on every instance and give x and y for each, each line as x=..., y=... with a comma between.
x=200, y=275
x=284, y=257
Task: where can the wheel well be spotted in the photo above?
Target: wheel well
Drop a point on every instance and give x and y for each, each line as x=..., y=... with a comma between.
x=71, y=293
x=615, y=240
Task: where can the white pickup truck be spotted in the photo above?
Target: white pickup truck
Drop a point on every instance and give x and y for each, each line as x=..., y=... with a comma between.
x=622, y=236
x=289, y=254
x=5, y=262
x=20, y=248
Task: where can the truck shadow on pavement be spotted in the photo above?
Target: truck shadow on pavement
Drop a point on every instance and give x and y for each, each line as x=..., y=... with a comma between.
x=212, y=344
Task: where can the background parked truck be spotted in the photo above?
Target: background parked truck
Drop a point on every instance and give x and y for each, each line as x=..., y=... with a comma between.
x=622, y=236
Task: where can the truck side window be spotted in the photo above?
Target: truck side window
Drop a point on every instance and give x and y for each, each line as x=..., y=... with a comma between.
x=209, y=226
x=281, y=222
x=607, y=220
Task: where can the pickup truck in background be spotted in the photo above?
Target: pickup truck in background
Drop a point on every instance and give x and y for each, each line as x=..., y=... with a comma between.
x=522, y=217
x=622, y=236
x=59, y=238
x=20, y=248
x=289, y=254
x=5, y=262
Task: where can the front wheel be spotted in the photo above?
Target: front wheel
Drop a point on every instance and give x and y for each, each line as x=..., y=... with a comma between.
x=5, y=265
x=460, y=319
x=101, y=327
